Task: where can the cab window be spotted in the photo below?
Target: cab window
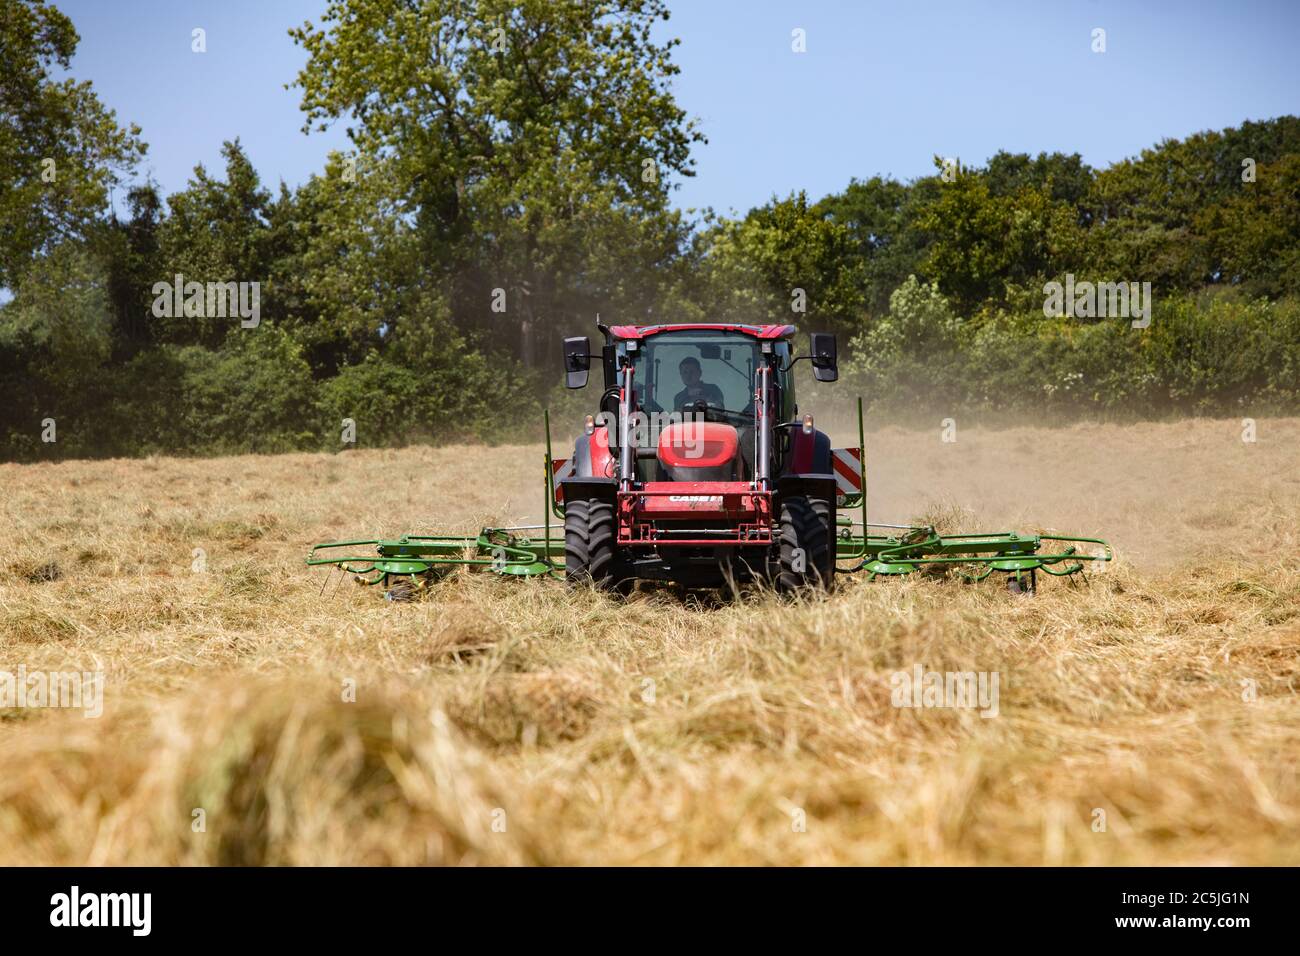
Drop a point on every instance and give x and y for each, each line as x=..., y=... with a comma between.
x=718, y=368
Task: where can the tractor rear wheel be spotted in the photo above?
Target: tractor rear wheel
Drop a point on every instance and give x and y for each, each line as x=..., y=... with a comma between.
x=589, y=533
x=807, y=555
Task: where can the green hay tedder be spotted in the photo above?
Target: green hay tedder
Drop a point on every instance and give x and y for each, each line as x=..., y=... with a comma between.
x=716, y=484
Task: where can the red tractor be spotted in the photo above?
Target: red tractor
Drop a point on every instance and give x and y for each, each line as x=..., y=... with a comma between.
x=698, y=469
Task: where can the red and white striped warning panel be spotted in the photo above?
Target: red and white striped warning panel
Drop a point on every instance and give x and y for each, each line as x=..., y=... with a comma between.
x=847, y=463
x=561, y=468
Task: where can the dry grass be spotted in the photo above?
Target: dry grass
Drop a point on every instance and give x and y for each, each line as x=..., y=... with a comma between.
x=511, y=722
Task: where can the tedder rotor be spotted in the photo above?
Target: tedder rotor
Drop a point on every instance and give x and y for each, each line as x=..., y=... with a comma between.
x=698, y=470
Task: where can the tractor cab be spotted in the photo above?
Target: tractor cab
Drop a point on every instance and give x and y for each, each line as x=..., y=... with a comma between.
x=696, y=454
x=695, y=404
x=692, y=410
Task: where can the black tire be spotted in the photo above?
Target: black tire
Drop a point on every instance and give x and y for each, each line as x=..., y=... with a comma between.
x=826, y=512
x=806, y=526
x=589, y=533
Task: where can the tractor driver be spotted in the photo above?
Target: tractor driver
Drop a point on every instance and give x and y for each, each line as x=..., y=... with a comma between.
x=695, y=390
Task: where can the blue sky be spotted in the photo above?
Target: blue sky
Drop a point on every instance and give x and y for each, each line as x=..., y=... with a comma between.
x=882, y=88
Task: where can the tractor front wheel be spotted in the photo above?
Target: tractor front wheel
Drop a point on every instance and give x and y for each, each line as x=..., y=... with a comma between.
x=589, y=533
x=807, y=553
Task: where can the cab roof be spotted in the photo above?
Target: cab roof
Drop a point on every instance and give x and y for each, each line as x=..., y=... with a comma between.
x=757, y=331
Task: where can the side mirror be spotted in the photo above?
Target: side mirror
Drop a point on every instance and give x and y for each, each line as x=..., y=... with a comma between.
x=577, y=361
x=824, y=358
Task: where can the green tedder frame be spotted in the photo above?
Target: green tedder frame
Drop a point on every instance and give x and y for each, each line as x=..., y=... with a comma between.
x=522, y=551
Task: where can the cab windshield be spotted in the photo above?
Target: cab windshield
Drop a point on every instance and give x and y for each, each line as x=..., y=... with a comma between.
x=675, y=371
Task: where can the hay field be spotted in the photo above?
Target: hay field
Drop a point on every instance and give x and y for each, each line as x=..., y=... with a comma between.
x=507, y=722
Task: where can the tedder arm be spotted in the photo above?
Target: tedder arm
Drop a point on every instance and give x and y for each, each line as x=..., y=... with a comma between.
x=503, y=550
x=974, y=556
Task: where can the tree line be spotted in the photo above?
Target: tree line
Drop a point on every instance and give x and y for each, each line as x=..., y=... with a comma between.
x=511, y=175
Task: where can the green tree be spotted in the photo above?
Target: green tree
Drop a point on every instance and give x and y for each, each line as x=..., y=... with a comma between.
x=881, y=216
x=531, y=144
x=910, y=356
x=784, y=262
x=60, y=148
x=1063, y=178
x=129, y=249
x=216, y=231
x=1253, y=238
x=1161, y=216
x=55, y=337
x=983, y=248
x=255, y=394
x=343, y=264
